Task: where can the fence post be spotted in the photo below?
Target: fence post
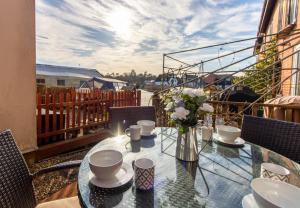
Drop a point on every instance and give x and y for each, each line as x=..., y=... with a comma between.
x=156, y=105
x=78, y=108
x=139, y=98
x=111, y=98
x=39, y=115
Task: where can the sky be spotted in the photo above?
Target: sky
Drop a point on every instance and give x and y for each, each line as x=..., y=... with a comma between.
x=121, y=35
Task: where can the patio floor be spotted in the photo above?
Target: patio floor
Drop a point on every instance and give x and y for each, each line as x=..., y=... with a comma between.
x=58, y=184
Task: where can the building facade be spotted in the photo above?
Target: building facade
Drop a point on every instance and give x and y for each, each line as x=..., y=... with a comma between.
x=281, y=17
x=62, y=76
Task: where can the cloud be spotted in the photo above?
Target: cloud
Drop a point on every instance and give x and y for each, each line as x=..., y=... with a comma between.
x=132, y=34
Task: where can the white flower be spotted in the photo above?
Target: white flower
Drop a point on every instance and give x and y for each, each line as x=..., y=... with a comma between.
x=180, y=113
x=176, y=99
x=169, y=106
x=207, y=108
x=198, y=92
x=193, y=92
x=188, y=91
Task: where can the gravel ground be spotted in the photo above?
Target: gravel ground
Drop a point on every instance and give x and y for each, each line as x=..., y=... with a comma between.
x=47, y=184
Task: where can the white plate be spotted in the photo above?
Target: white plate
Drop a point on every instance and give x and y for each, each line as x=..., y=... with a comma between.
x=270, y=193
x=238, y=142
x=249, y=202
x=124, y=175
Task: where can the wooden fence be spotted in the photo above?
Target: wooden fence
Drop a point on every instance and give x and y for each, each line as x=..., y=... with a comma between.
x=66, y=115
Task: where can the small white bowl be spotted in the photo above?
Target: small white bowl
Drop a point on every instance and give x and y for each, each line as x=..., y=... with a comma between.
x=228, y=133
x=105, y=163
x=274, y=172
x=273, y=194
x=147, y=127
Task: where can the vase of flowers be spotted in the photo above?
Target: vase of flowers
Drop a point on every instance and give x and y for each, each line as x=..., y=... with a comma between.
x=184, y=107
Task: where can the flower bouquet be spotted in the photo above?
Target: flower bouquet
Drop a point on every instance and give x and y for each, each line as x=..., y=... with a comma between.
x=185, y=106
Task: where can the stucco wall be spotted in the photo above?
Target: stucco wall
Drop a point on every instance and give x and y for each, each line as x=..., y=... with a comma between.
x=17, y=65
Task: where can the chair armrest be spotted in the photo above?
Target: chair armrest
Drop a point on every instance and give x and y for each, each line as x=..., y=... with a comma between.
x=59, y=166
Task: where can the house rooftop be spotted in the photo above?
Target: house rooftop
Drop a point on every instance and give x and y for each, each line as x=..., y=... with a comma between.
x=65, y=71
x=265, y=16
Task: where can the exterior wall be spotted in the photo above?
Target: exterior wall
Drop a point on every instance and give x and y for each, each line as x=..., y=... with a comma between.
x=288, y=62
x=17, y=65
x=51, y=81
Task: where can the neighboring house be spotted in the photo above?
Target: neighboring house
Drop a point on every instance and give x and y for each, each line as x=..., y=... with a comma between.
x=104, y=84
x=168, y=81
x=220, y=80
x=282, y=17
x=63, y=76
x=191, y=80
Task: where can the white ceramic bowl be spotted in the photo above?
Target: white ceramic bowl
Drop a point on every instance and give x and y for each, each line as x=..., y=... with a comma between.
x=273, y=194
x=274, y=171
x=228, y=133
x=105, y=163
x=147, y=126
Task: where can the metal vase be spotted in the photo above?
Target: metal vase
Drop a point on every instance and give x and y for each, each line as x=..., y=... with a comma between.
x=187, y=145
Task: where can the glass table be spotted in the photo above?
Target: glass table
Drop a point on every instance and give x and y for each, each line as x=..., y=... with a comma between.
x=221, y=177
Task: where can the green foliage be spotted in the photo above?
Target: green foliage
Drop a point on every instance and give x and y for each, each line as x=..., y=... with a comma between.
x=258, y=81
x=133, y=78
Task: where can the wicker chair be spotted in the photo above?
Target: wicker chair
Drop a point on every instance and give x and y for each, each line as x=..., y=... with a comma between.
x=280, y=136
x=16, y=188
x=123, y=117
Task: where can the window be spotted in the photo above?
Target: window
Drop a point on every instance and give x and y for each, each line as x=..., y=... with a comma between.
x=81, y=83
x=270, y=31
x=61, y=82
x=292, y=12
x=40, y=81
x=295, y=79
x=280, y=8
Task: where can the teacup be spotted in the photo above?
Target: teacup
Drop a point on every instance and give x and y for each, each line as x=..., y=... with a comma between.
x=143, y=173
x=274, y=172
x=147, y=127
x=134, y=132
x=228, y=133
x=105, y=164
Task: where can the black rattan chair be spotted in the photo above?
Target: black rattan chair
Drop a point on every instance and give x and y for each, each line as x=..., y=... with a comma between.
x=280, y=136
x=16, y=188
x=123, y=117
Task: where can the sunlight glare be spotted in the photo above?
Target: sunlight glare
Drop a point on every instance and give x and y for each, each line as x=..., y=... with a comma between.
x=120, y=21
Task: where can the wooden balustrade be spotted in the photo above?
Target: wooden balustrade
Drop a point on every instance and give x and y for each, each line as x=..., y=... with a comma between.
x=66, y=115
x=232, y=112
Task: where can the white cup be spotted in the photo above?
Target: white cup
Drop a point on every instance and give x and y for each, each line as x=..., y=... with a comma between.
x=147, y=127
x=206, y=133
x=134, y=132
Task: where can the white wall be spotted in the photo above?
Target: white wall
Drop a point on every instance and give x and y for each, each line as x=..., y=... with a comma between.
x=17, y=67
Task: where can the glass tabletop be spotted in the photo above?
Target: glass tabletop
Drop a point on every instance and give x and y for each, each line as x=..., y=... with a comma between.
x=221, y=177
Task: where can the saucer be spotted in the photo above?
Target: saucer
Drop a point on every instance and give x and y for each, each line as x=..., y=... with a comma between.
x=151, y=135
x=124, y=175
x=249, y=202
x=238, y=142
x=145, y=134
